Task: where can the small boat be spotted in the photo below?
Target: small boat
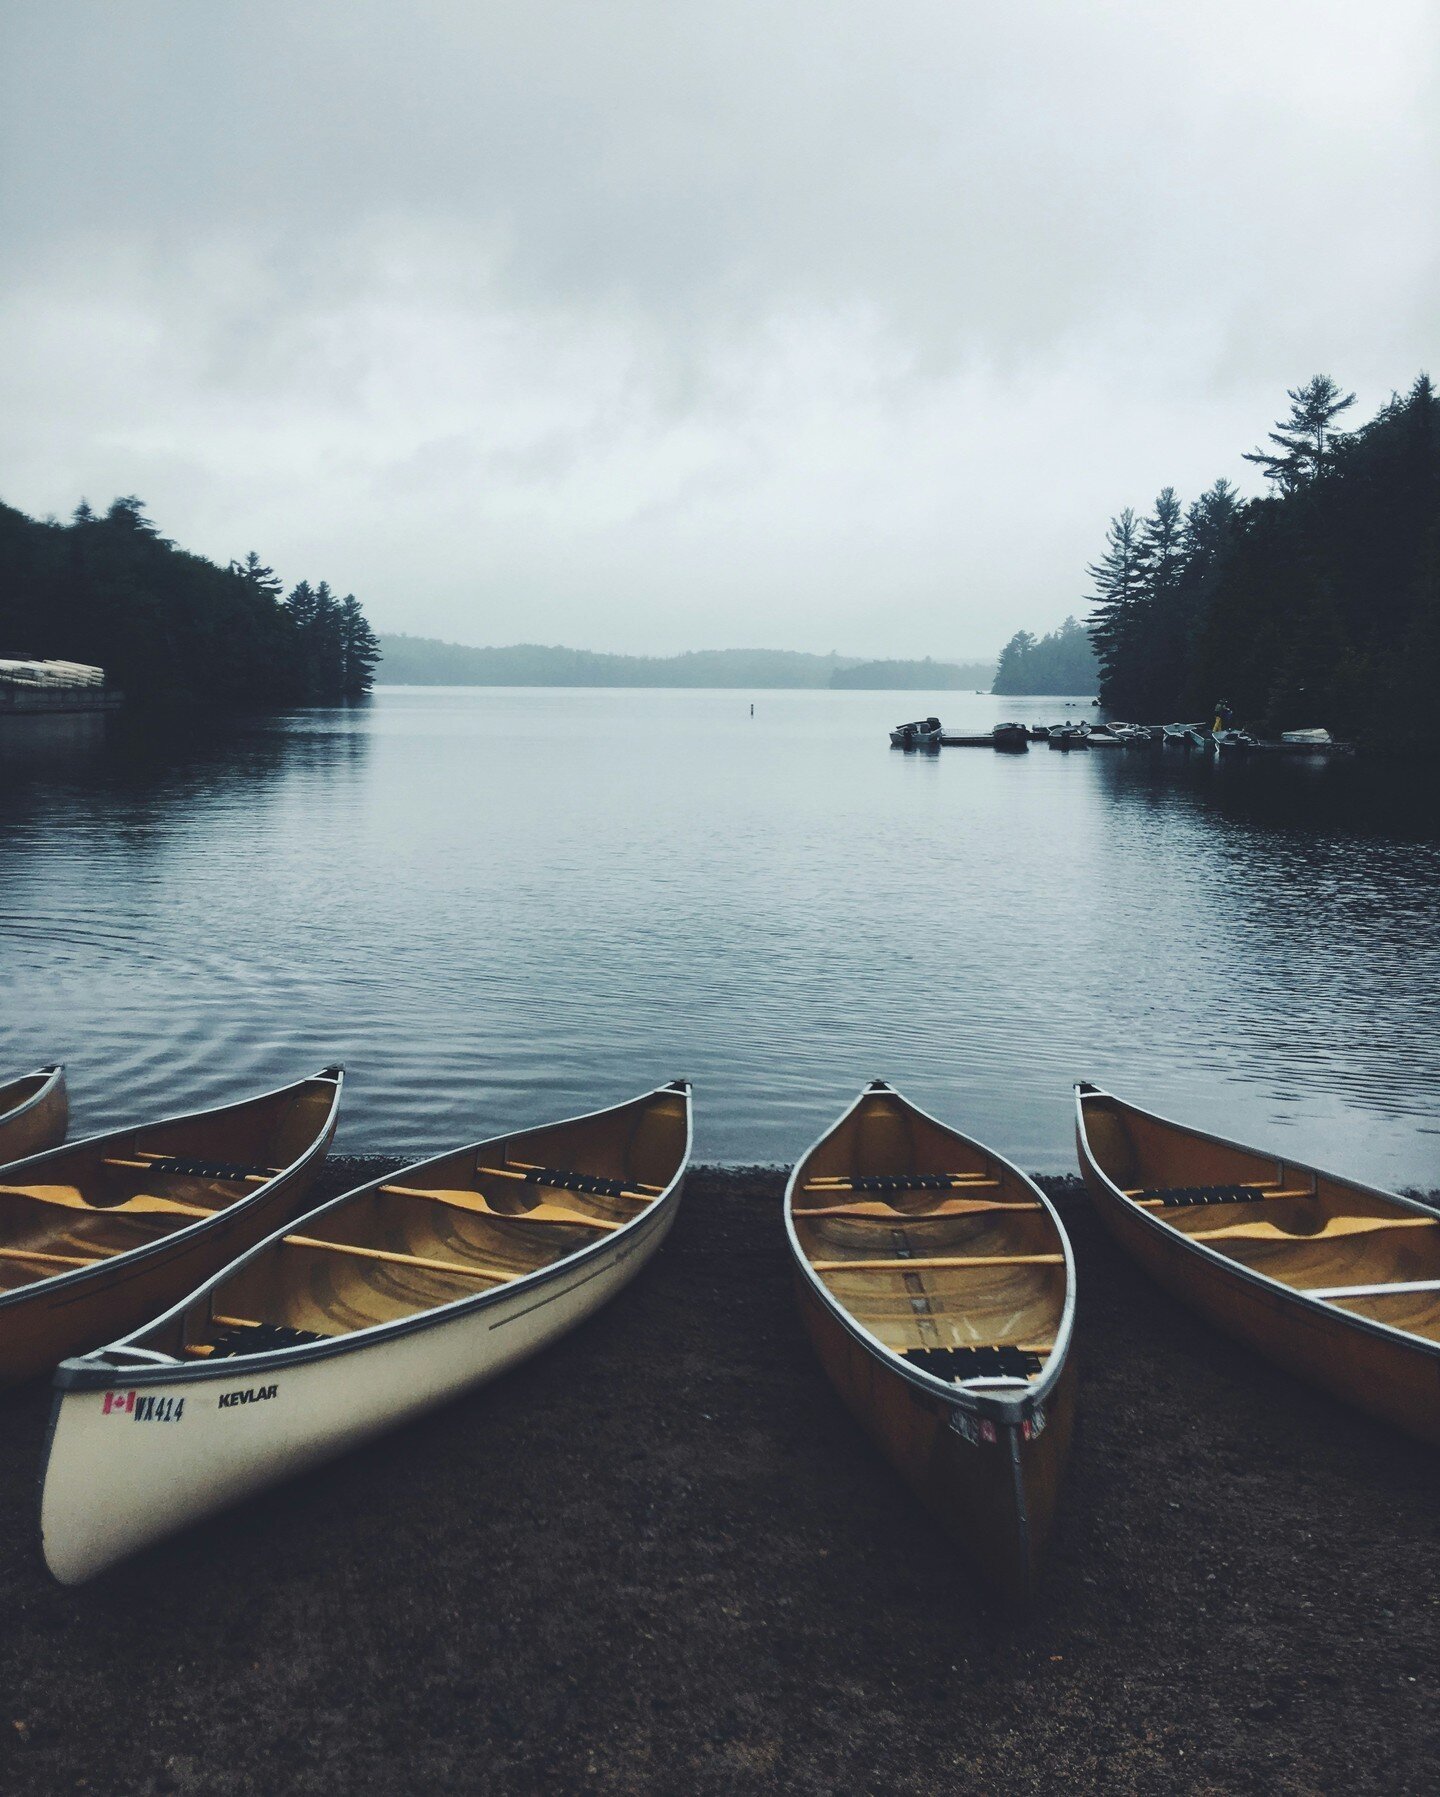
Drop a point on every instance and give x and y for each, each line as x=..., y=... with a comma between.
x=1234, y=739
x=1198, y=737
x=1308, y=739
x=1337, y=1282
x=1011, y=736
x=923, y=734
x=98, y=1236
x=1039, y=732
x=1176, y=735
x=370, y=1310
x=34, y=1113
x=1070, y=736
x=938, y=1289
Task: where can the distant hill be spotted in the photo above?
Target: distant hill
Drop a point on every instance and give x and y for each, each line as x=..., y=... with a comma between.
x=917, y=676
x=424, y=661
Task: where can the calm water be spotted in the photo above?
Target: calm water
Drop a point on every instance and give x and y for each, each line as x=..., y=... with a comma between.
x=502, y=906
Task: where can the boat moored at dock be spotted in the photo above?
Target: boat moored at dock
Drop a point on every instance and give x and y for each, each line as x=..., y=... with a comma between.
x=938, y=1289
x=370, y=1310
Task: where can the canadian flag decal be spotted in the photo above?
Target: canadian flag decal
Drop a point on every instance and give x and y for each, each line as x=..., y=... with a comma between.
x=119, y=1400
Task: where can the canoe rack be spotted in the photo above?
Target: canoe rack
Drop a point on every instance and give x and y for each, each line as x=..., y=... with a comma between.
x=985, y=1361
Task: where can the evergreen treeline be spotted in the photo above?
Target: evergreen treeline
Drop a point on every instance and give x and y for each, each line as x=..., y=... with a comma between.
x=171, y=628
x=425, y=661
x=1061, y=661
x=925, y=676
x=1318, y=604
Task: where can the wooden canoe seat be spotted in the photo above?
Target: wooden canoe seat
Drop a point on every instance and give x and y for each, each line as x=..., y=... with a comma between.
x=880, y=1183
x=57, y=1260
x=634, y=1187
x=888, y=1213
x=477, y=1204
x=920, y=1263
x=983, y=1361
x=559, y=1180
x=1171, y=1197
x=1263, y=1231
x=255, y=1338
x=169, y=1165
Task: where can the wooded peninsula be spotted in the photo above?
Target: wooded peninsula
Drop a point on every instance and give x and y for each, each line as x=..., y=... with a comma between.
x=1316, y=605
x=171, y=628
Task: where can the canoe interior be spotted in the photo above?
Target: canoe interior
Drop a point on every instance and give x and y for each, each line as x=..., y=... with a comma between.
x=455, y=1227
x=1311, y=1232
x=18, y=1092
x=79, y=1206
x=1004, y=1284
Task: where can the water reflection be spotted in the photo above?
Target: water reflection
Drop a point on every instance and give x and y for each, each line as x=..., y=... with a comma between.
x=498, y=906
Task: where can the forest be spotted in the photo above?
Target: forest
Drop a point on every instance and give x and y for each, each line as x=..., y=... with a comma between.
x=171, y=628
x=1317, y=604
x=1061, y=661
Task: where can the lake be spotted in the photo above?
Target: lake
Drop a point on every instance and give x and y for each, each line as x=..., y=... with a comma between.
x=499, y=906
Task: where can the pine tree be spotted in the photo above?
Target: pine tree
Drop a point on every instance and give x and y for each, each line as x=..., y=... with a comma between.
x=1115, y=603
x=361, y=649
x=1305, y=440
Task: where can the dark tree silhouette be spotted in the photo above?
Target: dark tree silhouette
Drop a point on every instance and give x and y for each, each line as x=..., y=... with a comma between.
x=169, y=627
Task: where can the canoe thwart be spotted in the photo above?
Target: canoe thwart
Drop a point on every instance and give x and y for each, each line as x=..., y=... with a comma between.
x=888, y=1213
x=635, y=1186
x=1263, y=1231
x=919, y=1263
x=476, y=1204
x=207, y=1169
x=978, y=1362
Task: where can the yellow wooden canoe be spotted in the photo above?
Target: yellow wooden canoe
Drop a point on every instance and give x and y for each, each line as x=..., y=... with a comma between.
x=34, y=1113
x=100, y=1235
x=1336, y=1281
x=938, y=1288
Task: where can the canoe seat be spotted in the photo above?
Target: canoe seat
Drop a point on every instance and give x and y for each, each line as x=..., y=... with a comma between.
x=1177, y=1195
x=260, y=1338
x=982, y=1362
x=174, y=1163
x=906, y=1182
x=577, y=1182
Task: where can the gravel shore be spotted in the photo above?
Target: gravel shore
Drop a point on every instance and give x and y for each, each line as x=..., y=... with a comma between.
x=662, y=1558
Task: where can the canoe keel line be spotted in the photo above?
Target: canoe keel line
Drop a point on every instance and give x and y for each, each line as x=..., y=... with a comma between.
x=213, y=1402
x=1337, y=1282
x=944, y=1326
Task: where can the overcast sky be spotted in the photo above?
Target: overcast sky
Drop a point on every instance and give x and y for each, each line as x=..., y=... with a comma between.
x=654, y=326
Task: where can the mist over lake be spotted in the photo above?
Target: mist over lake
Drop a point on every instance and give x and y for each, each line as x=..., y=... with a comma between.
x=500, y=906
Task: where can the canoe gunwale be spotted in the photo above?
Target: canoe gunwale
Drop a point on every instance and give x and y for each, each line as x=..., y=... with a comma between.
x=1163, y=1232
x=148, y=1251
x=1004, y=1407
x=95, y=1372
x=55, y=1074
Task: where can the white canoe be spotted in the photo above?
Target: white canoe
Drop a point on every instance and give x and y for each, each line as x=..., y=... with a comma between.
x=368, y=1311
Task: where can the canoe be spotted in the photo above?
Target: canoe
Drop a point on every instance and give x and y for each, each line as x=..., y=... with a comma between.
x=98, y=1236
x=1337, y=1282
x=34, y=1113
x=938, y=1289
x=367, y=1312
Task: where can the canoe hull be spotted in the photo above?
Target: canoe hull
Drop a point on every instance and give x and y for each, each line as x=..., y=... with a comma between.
x=995, y=1498
x=41, y=1325
x=1381, y=1372
x=126, y=1470
x=38, y=1123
